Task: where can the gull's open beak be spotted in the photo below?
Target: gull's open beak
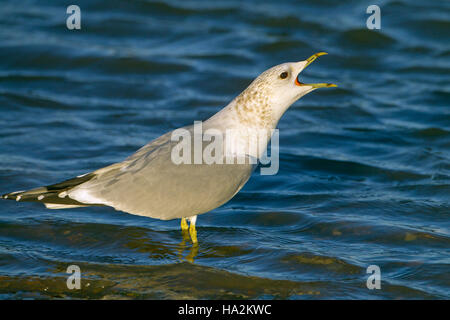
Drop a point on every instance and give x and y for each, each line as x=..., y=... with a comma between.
x=314, y=85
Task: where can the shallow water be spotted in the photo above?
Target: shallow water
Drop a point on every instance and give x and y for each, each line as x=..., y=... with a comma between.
x=364, y=168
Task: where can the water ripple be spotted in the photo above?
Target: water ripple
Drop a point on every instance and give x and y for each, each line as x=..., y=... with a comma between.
x=364, y=173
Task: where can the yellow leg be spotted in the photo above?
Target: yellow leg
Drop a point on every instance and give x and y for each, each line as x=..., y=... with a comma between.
x=184, y=225
x=193, y=233
x=192, y=230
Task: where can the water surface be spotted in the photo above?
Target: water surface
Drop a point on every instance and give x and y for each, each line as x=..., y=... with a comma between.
x=364, y=168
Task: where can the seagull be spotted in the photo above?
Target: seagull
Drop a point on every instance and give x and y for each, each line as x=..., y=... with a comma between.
x=150, y=183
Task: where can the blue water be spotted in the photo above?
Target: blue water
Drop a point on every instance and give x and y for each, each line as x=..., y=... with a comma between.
x=364, y=173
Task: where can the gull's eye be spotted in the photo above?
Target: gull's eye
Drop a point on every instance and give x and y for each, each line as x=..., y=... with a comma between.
x=284, y=75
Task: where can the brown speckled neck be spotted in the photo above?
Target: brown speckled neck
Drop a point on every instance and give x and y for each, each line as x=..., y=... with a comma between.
x=252, y=106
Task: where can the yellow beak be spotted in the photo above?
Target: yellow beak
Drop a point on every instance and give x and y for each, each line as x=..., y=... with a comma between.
x=314, y=85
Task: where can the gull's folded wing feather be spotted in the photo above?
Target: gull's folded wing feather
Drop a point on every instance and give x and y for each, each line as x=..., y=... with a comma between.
x=148, y=183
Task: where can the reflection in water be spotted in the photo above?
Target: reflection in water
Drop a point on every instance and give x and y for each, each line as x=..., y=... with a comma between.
x=160, y=248
x=182, y=246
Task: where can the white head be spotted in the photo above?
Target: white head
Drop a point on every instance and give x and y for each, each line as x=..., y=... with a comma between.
x=267, y=98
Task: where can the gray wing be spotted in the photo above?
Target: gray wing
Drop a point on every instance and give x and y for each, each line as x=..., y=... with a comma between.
x=148, y=183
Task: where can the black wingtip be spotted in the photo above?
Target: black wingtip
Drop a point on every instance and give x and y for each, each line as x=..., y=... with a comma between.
x=12, y=195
